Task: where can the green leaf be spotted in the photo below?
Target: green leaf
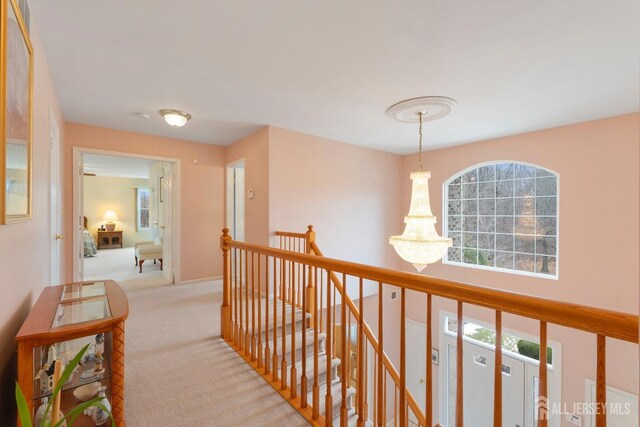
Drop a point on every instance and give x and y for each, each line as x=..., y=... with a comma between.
x=23, y=408
x=68, y=370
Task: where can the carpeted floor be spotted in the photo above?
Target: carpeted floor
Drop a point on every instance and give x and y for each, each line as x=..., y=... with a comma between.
x=119, y=265
x=179, y=372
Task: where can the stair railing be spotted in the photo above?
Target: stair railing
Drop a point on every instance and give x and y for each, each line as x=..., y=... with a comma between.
x=309, y=284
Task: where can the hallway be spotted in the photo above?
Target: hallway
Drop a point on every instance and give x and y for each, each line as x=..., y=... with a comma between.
x=180, y=372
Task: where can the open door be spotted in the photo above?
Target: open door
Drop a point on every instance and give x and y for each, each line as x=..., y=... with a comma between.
x=166, y=221
x=78, y=222
x=54, y=200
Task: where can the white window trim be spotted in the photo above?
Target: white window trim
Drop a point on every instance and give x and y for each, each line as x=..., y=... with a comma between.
x=445, y=225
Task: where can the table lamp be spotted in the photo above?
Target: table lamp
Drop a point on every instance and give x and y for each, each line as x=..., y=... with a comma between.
x=110, y=216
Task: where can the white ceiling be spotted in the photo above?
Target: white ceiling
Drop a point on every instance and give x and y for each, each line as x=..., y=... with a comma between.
x=116, y=166
x=331, y=68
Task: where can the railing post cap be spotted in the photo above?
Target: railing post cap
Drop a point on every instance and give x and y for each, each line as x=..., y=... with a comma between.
x=225, y=240
x=310, y=227
x=225, y=231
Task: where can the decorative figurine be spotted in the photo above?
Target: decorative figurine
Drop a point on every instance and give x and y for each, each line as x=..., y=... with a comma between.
x=97, y=414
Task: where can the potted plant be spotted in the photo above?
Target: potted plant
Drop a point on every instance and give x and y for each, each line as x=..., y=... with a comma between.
x=70, y=417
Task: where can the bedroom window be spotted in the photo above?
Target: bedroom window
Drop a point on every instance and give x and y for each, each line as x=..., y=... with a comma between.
x=142, y=208
x=503, y=216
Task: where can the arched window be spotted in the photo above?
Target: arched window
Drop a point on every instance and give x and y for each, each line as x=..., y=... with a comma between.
x=503, y=216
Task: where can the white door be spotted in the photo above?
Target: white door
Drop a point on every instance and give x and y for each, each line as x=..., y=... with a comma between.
x=235, y=200
x=478, y=371
x=167, y=215
x=78, y=226
x=54, y=200
x=416, y=368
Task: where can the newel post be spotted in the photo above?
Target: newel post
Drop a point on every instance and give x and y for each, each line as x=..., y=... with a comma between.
x=310, y=237
x=225, y=309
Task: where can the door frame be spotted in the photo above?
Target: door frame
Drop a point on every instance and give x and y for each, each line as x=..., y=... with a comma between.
x=78, y=153
x=228, y=196
x=554, y=381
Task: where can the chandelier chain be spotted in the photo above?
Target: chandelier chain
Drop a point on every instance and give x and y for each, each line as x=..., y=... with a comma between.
x=421, y=114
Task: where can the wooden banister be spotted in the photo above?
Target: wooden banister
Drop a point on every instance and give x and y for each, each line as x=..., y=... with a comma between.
x=300, y=272
x=612, y=324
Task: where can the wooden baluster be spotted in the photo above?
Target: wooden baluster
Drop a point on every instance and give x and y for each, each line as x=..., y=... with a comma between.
x=303, y=376
x=316, y=349
x=365, y=408
x=322, y=303
x=240, y=304
x=283, y=360
x=361, y=391
x=381, y=420
x=459, y=365
x=267, y=355
x=252, y=343
x=310, y=236
x=428, y=408
x=403, y=363
x=376, y=415
x=259, y=330
x=343, y=351
x=235, y=297
x=294, y=375
x=328, y=408
x=225, y=310
x=247, y=335
x=543, y=401
x=274, y=364
x=497, y=374
x=601, y=382
x=334, y=323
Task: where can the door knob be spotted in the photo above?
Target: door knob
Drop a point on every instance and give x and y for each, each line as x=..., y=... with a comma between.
x=59, y=237
x=162, y=227
x=421, y=381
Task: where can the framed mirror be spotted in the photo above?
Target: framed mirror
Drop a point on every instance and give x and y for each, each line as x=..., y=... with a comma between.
x=16, y=97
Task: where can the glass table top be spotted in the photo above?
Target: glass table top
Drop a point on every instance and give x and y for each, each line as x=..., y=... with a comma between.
x=87, y=290
x=78, y=311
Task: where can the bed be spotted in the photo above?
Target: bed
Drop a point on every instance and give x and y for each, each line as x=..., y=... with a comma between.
x=90, y=246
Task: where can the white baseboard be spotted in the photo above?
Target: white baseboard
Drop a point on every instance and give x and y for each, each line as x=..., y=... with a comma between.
x=203, y=279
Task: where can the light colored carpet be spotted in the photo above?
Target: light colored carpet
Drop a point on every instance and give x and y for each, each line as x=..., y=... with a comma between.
x=179, y=372
x=119, y=265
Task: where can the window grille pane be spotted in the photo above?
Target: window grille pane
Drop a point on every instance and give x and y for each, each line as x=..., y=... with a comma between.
x=504, y=215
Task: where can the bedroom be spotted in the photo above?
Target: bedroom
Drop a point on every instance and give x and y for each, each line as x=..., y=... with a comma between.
x=123, y=213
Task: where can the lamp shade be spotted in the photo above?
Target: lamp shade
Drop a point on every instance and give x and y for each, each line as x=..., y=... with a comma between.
x=420, y=243
x=110, y=216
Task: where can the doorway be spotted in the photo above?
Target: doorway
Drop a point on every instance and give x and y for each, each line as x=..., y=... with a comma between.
x=520, y=369
x=126, y=210
x=235, y=199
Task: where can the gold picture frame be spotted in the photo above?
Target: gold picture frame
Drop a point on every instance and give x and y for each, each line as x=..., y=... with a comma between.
x=16, y=120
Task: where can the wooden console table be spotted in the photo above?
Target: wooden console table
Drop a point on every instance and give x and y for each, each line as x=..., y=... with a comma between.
x=109, y=239
x=84, y=312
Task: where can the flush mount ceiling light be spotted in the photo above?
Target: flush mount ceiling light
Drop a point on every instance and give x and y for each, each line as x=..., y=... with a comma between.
x=175, y=118
x=420, y=243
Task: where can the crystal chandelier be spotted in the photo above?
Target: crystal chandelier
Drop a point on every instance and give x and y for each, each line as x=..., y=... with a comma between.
x=420, y=243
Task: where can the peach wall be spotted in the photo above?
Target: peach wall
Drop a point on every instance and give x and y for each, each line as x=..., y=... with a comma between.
x=598, y=166
x=348, y=193
x=254, y=149
x=23, y=274
x=201, y=186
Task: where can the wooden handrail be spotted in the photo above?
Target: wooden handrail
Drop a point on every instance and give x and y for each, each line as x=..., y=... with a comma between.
x=290, y=234
x=599, y=321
